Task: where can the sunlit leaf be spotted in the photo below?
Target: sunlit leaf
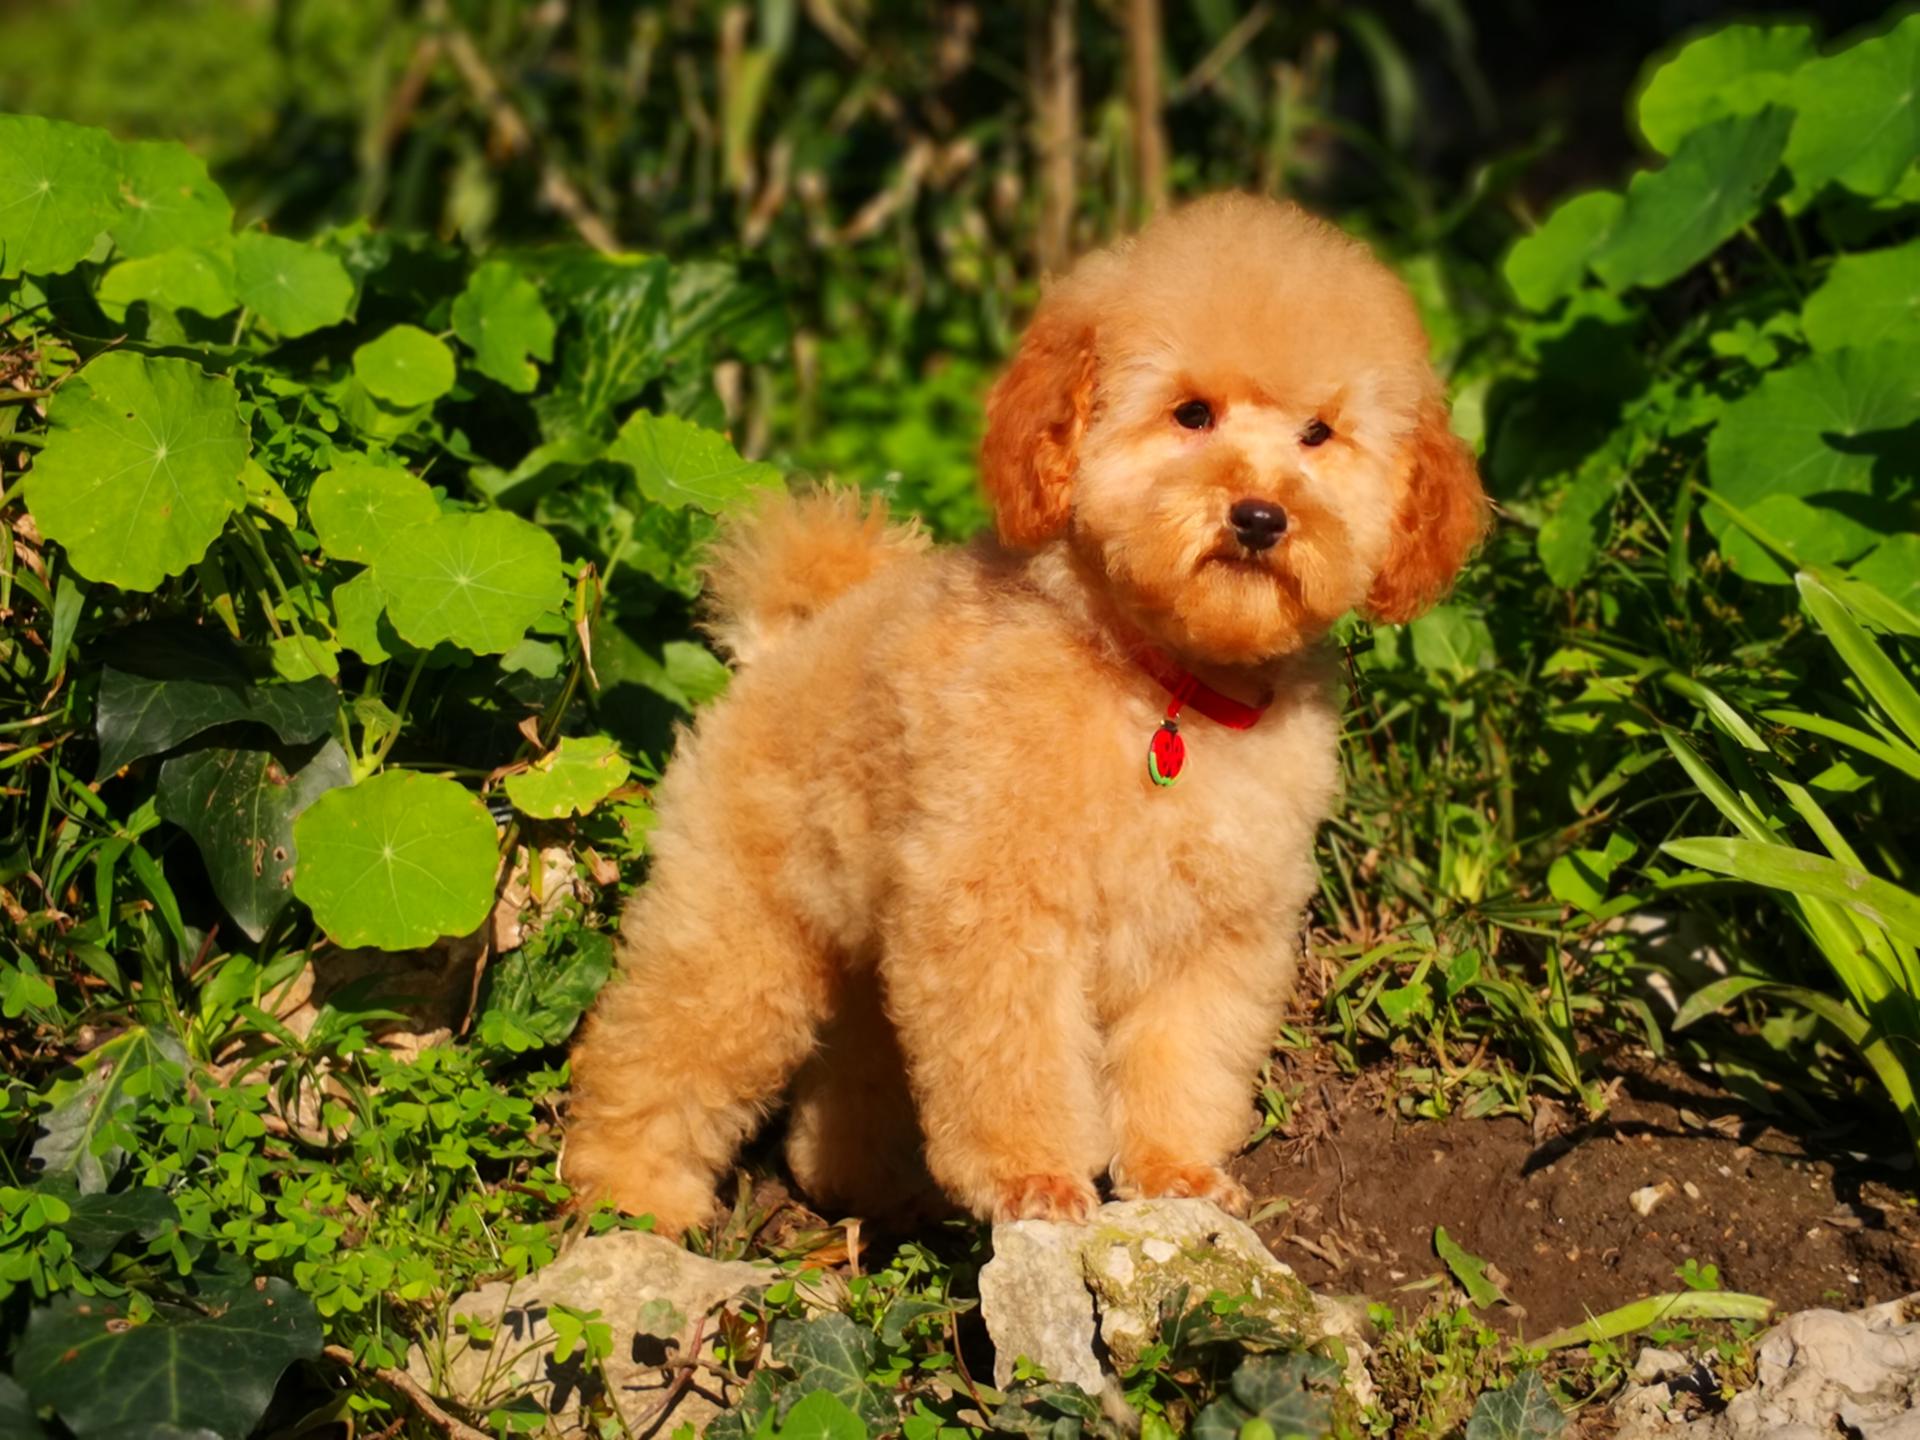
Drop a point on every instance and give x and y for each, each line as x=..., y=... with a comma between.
x=405, y=366
x=536, y=994
x=1551, y=262
x=1735, y=70
x=1859, y=115
x=476, y=580
x=197, y=278
x=576, y=775
x=502, y=319
x=81, y=1135
x=294, y=288
x=679, y=463
x=59, y=188
x=357, y=509
x=169, y=200
x=1866, y=298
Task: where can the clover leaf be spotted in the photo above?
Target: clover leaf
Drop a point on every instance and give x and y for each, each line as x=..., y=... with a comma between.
x=59, y=188
x=477, y=580
x=395, y=862
x=169, y=200
x=356, y=508
x=571, y=779
x=1733, y=71
x=501, y=318
x=142, y=469
x=294, y=288
x=679, y=463
x=405, y=366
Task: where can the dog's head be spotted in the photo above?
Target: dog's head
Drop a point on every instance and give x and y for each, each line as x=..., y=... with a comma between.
x=1233, y=417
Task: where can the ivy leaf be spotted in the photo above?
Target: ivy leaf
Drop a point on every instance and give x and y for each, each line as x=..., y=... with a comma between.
x=239, y=806
x=96, y=1224
x=830, y=1353
x=406, y=367
x=81, y=1138
x=1523, y=1411
x=16, y=1412
x=141, y=469
x=396, y=862
x=1859, y=116
x=1678, y=215
x=138, y=715
x=357, y=509
x=209, y=1366
x=476, y=580
x=679, y=463
x=502, y=319
x=169, y=200
x=1736, y=70
x=59, y=188
x=535, y=997
x=1550, y=263
x=198, y=278
x=1865, y=299
x=295, y=288
x=1286, y=1392
x=615, y=309
x=1469, y=1270
x=570, y=779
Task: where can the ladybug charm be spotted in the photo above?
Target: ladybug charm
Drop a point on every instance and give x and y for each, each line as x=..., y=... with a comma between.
x=1166, y=753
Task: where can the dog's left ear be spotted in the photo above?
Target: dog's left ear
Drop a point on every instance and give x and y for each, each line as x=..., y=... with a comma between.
x=1442, y=515
x=1036, y=415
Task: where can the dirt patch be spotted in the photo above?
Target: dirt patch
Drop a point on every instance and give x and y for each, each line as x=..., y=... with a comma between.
x=1781, y=1215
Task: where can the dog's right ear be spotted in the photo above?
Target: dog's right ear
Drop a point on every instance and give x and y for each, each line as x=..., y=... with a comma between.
x=1036, y=415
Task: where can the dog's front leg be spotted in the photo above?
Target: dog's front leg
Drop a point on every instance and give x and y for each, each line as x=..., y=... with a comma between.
x=986, y=987
x=1181, y=1057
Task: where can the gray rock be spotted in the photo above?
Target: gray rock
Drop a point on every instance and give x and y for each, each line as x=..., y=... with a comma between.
x=1818, y=1374
x=1051, y=1290
x=650, y=1291
x=1655, y=1365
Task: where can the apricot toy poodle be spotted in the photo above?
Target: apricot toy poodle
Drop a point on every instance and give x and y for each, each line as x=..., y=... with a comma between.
x=997, y=855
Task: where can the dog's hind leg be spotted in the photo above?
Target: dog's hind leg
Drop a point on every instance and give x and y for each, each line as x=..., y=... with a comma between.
x=718, y=1002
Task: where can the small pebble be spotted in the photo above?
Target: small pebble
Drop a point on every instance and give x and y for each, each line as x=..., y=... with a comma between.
x=1693, y=1190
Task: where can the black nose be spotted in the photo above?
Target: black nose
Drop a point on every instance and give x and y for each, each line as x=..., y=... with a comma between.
x=1257, y=524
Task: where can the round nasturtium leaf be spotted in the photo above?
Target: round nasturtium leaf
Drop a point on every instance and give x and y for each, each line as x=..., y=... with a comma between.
x=571, y=779
x=195, y=277
x=396, y=862
x=500, y=318
x=1866, y=298
x=59, y=188
x=357, y=509
x=169, y=199
x=1678, y=215
x=359, y=608
x=1552, y=261
x=476, y=580
x=679, y=463
x=294, y=288
x=1736, y=70
x=406, y=366
x=142, y=468
x=1858, y=116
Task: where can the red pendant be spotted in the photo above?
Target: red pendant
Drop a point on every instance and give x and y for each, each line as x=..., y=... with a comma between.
x=1166, y=754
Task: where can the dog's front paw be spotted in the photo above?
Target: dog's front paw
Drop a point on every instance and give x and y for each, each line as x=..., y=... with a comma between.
x=1171, y=1180
x=1044, y=1197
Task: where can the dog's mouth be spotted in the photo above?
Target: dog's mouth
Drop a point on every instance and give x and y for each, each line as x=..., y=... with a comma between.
x=1239, y=559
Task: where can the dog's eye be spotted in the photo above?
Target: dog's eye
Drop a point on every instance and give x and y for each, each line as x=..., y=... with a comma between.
x=1318, y=432
x=1193, y=415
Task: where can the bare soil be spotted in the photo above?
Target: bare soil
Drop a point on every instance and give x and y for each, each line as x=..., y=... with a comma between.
x=1786, y=1216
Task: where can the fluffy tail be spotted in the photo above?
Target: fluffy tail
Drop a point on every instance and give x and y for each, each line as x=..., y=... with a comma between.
x=784, y=561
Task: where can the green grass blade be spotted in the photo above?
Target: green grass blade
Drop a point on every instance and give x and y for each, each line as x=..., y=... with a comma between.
x=1781, y=867
x=1657, y=1310
x=1869, y=602
x=1870, y=664
x=1725, y=799
x=1903, y=758
x=1712, y=999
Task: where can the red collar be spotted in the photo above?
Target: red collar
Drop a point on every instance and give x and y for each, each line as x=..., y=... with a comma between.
x=1188, y=690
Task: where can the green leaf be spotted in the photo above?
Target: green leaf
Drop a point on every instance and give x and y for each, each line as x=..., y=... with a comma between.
x=80, y=1137
x=141, y=469
x=211, y=1366
x=1658, y=1310
x=1893, y=568
x=818, y=1415
x=1525, y=1410
x=1678, y=215
x=500, y=317
x=1287, y=1393
x=536, y=994
x=1736, y=70
x=1550, y=263
x=96, y=1224
x=1800, y=872
x=406, y=366
x=1469, y=1270
x=296, y=289
x=830, y=1353
x=169, y=200
x=1858, y=116
x=1805, y=432
x=476, y=580
x=1581, y=876
x=356, y=509
x=1712, y=998
x=1878, y=675
x=396, y=862
x=679, y=464
x=197, y=278
x=1451, y=641
x=1570, y=537
x=570, y=779
x=59, y=188
x=17, y=1419
x=616, y=312
x=137, y=715
x=1866, y=298
x=360, y=619
x=239, y=806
